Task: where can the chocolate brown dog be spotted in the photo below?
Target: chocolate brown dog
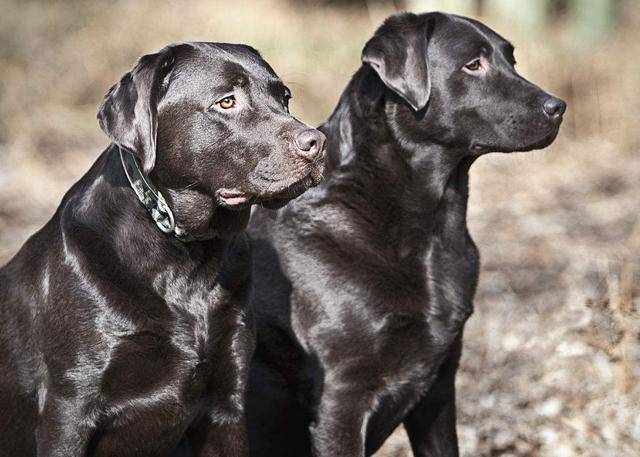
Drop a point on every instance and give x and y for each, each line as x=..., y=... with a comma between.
x=123, y=321
x=363, y=284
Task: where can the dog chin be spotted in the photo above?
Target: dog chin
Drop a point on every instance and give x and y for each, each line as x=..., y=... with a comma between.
x=279, y=199
x=540, y=144
x=275, y=203
x=234, y=199
x=479, y=148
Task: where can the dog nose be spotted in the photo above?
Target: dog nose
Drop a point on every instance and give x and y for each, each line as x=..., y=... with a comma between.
x=310, y=143
x=554, y=107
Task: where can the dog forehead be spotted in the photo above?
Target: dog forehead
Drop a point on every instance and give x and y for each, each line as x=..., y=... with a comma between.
x=457, y=38
x=229, y=61
x=470, y=30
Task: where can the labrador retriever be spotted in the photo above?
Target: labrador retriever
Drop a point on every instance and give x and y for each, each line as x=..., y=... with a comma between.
x=363, y=285
x=123, y=321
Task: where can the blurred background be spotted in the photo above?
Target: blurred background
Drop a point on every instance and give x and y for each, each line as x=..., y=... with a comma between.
x=551, y=365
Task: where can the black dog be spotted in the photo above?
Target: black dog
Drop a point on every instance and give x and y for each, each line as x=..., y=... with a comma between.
x=117, y=338
x=363, y=285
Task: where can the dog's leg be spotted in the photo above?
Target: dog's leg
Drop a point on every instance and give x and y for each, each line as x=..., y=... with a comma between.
x=431, y=424
x=340, y=428
x=209, y=439
x=63, y=429
x=431, y=427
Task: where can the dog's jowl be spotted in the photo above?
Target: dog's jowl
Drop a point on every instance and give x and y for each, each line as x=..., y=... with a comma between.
x=363, y=285
x=124, y=323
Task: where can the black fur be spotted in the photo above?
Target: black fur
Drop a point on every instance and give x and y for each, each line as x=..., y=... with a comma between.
x=363, y=285
x=118, y=339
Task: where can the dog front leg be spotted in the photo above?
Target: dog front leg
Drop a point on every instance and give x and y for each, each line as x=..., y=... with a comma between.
x=431, y=428
x=431, y=424
x=219, y=439
x=340, y=427
x=63, y=429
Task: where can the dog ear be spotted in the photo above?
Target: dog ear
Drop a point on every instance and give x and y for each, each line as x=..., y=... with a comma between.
x=398, y=54
x=129, y=111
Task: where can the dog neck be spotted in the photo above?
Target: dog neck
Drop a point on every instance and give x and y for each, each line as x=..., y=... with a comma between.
x=155, y=203
x=104, y=206
x=416, y=191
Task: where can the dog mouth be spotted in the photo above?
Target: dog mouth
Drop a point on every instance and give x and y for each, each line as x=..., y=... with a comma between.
x=232, y=197
x=546, y=140
x=542, y=142
x=278, y=193
x=283, y=197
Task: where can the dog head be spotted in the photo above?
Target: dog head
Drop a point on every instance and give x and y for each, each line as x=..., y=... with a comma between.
x=210, y=124
x=454, y=82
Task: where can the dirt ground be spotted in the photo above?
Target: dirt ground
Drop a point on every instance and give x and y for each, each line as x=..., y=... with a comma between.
x=551, y=364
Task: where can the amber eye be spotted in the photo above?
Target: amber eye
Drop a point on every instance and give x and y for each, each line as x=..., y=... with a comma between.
x=474, y=65
x=227, y=102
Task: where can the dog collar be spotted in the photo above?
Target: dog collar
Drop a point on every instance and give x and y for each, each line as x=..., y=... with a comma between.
x=153, y=200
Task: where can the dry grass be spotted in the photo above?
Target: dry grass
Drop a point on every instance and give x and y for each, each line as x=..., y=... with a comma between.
x=552, y=356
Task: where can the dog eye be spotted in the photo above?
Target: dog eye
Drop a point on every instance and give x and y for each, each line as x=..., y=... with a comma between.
x=474, y=65
x=227, y=102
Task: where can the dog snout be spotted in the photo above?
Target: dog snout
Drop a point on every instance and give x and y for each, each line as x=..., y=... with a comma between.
x=310, y=143
x=554, y=107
